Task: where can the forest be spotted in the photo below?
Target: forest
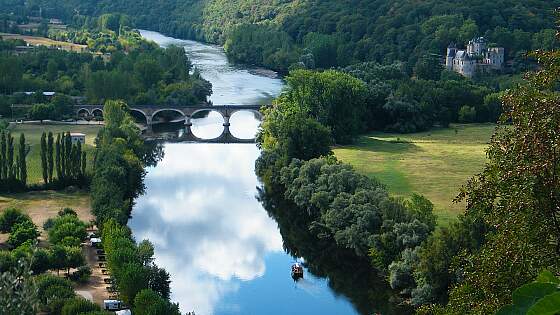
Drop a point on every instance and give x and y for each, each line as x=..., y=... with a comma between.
x=280, y=33
x=507, y=236
x=140, y=74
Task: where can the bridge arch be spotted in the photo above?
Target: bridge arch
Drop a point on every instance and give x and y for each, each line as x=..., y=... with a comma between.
x=209, y=109
x=97, y=112
x=82, y=112
x=258, y=115
x=162, y=110
x=135, y=113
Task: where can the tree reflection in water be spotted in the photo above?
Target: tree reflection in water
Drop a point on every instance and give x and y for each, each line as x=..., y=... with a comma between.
x=348, y=274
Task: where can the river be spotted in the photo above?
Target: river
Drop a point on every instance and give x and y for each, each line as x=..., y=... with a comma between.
x=224, y=252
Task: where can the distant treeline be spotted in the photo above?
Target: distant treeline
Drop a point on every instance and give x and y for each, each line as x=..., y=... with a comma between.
x=277, y=34
x=147, y=75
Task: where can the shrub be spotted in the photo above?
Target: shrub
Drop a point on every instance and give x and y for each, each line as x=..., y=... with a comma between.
x=22, y=232
x=67, y=230
x=78, y=306
x=66, y=211
x=7, y=261
x=53, y=292
x=81, y=275
x=10, y=217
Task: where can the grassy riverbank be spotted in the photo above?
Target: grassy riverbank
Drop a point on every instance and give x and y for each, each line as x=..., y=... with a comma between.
x=434, y=163
x=33, y=138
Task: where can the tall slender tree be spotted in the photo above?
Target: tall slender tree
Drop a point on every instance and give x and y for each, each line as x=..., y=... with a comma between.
x=68, y=154
x=62, y=157
x=78, y=159
x=22, y=162
x=3, y=174
x=50, y=158
x=84, y=163
x=44, y=166
x=10, y=160
x=57, y=158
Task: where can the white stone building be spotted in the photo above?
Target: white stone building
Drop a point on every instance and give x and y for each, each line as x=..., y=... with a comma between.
x=476, y=58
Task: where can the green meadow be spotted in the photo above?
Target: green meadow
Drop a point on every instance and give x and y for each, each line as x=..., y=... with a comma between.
x=33, y=134
x=435, y=163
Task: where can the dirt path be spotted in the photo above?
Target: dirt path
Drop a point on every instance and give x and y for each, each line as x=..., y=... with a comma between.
x=96, y=287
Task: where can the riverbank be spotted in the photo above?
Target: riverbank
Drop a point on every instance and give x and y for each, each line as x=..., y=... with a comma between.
x=434, y=163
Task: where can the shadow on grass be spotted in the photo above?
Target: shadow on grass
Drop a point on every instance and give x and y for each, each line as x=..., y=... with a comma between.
x=368, y=143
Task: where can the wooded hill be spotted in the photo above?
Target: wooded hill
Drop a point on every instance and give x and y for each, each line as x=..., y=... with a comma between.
x=278, y=33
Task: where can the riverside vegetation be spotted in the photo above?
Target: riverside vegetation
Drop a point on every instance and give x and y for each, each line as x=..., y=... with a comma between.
x=504, y=239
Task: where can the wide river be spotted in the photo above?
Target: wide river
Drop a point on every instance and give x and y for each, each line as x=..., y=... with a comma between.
x=224, y=253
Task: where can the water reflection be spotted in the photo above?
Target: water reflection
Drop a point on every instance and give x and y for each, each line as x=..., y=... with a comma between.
x=205, y=222
x=224, y=253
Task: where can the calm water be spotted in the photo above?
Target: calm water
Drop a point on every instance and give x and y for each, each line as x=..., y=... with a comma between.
x=223, y=251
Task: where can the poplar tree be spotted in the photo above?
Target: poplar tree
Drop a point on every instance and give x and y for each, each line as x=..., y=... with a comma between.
x=68, y=154
x=44, y=158
x=3, y=156
x=11, y=167
x=57, y=158
x=84, y=161
x=78, y=159
x=22, y=163
x=62, y=157
x=50, y=158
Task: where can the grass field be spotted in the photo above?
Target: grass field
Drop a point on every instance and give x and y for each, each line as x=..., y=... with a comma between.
x=33, y=138
x=43, y=41
x=434, y=163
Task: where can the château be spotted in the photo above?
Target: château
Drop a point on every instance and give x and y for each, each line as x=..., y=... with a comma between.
x=478, y=57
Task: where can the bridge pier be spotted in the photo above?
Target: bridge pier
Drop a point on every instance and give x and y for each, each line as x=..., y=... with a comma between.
x=149, y=129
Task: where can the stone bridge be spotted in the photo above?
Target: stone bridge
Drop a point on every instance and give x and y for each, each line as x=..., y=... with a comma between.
x=185, y=113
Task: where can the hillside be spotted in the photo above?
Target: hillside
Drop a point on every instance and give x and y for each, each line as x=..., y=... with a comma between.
x=278, y=33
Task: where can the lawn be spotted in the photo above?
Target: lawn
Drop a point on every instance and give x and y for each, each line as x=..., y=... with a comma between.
x=434, y=163
x=33, y=134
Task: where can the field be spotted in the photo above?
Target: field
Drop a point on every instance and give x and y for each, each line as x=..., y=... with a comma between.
x=33, y=138
x=43, y=41
x=434, y=163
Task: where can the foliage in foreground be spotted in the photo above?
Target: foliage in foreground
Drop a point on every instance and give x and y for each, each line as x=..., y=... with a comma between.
x=541, y=296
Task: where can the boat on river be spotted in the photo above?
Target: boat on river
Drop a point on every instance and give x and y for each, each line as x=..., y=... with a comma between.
x=297, y=271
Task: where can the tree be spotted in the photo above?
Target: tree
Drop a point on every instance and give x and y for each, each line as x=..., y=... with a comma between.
x=50, y=158
x=44, y=165
x=84, y=163
x=18, y=293
x=10, y=217
x=3, y=166
x=22, y=232
x=517, y=194
x=467, y=114
x=10, y=161
x=428, y=68
x=22, y=161
x=58, y=161
x=148, y=302
x=294, y=136
x=67, y=229
x=133, y=278
x=335, y=99
x=79, y=306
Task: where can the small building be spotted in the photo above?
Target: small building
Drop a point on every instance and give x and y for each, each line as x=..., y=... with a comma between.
x=112, y=305
x=78, y=137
